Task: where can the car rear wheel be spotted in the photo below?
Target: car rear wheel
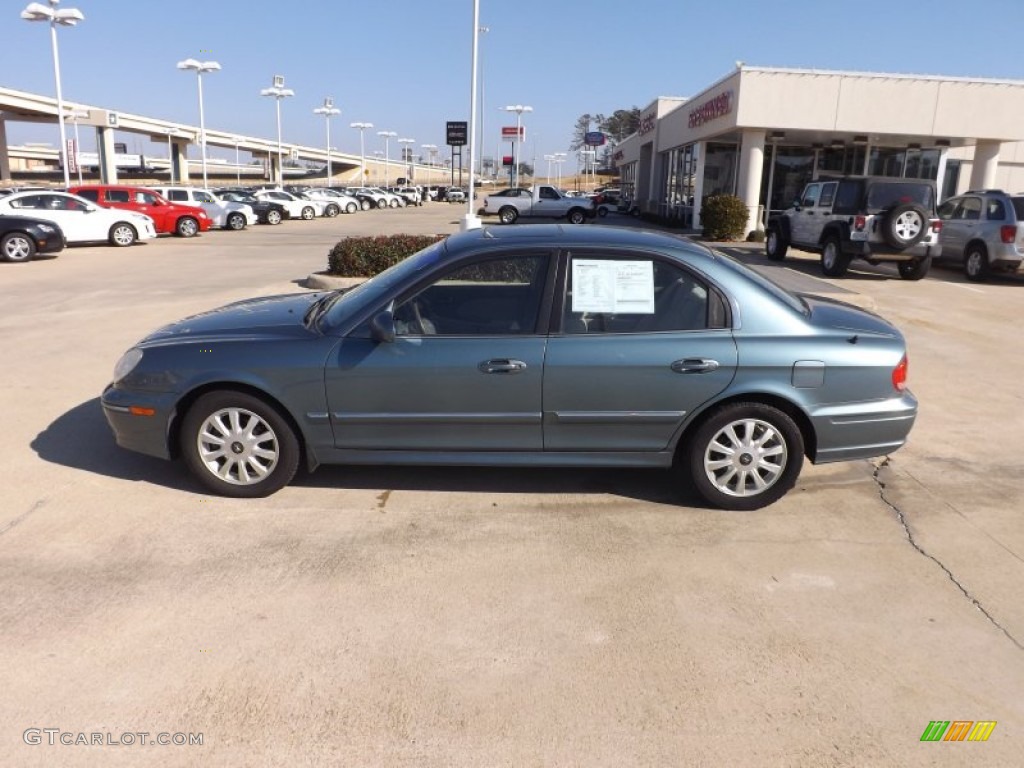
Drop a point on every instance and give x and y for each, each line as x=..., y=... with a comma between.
x=122, y=235
x=187, y=227
x=834, y=262
x=508, y=215
x=273, y=217
x=775, y=245
x=238, y=445
x=308, y=213
x=976, y=264
x=331, y=211
x=351, y=208
x=17, y=247
x=577, y=216
x=916, y=269
x=745, y=456
x=236, y=221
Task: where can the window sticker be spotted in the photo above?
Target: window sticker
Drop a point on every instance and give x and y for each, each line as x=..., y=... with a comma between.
x=617, y=287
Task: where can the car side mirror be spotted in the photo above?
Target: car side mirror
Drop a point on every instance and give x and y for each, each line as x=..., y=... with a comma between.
x=382, y=327
x=795, y=204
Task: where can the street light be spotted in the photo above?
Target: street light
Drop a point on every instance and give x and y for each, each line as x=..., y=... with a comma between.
x=408, y=149
x=362, y=149
x=558, y=158
x=76, y=115
x=516, y=146
x=483, y=134
x=200, y=67
x=388, y=135
x=277, y=91
x=328, y=110
x=66, y=17
x=431, y=151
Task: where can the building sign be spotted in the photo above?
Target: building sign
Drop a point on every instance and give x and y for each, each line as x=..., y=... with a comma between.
x=648, y=122
x=508, y=133
x=457, y=131
x=712, y=109
x=593, y=138
x=71, y=153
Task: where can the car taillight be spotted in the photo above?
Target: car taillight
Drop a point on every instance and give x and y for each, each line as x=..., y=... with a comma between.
x=859, y=222
x=936, y=225
x=899, y=375
x=1008, y=233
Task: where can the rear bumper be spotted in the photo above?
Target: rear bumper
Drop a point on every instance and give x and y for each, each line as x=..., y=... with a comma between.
x=885, y=252
x=863, y=430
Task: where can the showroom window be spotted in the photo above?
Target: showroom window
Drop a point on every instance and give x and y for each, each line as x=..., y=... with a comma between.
x=679, y=173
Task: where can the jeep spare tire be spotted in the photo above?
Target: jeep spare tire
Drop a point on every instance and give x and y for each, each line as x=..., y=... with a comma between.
x=905, y=225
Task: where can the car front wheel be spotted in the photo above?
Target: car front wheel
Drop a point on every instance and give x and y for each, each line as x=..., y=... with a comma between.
x=273, y=217
x=351, y=208
x=122, y=235
x=308, y=213
x=17, y=247
x=187, y=227
x=238, y=445
x=236, y=221
x=331, y=211
x=745, y=456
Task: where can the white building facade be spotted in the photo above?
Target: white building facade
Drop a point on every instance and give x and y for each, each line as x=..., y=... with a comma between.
x=761, y=133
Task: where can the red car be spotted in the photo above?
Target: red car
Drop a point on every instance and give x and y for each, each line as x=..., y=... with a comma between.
x=168, y=218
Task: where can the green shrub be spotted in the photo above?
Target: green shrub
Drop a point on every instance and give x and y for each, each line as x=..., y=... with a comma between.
x=756, y=236
x=724, y=217
x=367, y=256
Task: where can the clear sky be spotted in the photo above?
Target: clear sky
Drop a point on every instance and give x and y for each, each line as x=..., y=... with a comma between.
x=404, y=65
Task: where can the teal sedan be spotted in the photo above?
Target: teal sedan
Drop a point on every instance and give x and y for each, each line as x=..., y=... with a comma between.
x=542, y=345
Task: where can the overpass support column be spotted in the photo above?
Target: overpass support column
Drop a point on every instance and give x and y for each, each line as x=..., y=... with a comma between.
x=179, y=161
x=5, y=158
x=275, y=170
x=105, y=148
x=986, y=163
x=751, y=171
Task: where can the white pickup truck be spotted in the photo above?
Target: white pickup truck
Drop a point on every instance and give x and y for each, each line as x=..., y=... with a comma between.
x=540, y=201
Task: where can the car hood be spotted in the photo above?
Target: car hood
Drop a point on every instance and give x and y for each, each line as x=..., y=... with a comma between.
x=275, y=316
x=829, y=313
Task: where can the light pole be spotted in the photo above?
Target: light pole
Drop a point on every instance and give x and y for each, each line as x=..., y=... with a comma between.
x=431, y=151
x=76, y=115
x=277, y=91
x=238, y=167
x=483, y=133
x=200, y=67
x=362, y=149
x=328, y=110
x=517, y=145
x=66, y=17
x=388, y=135
x=407, y=149
x=558, y=158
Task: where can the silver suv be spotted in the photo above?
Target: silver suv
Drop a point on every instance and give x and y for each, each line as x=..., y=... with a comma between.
x=984, y=230
x=873, y=218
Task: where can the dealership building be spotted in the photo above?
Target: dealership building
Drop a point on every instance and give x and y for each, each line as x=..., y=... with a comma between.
x=761, y=133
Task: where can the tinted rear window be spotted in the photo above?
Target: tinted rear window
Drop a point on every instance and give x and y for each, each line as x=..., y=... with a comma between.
x=889, y=195
x=1018, y=207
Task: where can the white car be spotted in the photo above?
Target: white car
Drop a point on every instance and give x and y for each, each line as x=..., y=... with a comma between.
x=394, y=201
x=223, y=213
x=333, y=200
x=297, y=207
x=81, y=220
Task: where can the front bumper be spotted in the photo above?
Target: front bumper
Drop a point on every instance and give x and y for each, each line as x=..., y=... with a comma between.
x=134, y=427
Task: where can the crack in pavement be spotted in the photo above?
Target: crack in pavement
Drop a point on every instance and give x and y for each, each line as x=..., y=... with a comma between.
x=913, y=542
x=22, y=516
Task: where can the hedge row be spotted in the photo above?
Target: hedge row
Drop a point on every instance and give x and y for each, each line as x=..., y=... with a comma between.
x=367, y=256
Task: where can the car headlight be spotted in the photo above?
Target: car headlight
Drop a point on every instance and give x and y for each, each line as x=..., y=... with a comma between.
x=127, y=363
x=46, y=228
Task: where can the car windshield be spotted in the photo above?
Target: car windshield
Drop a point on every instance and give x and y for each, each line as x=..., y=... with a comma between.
x=891, y=194
x=359, y=298
x=790, y=299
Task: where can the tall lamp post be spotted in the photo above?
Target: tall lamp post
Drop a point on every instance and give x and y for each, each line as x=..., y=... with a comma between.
x=76, y=115
x=200, y=68
x=362, y=149
x=328, y=110
x=407, y=149
x=387, y=136
x=517, y=145
x=277, y=92
x=558, y=158
x=66, y=17
x=483, y=134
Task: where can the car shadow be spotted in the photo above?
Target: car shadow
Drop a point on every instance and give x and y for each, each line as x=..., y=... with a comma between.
x=81, y=439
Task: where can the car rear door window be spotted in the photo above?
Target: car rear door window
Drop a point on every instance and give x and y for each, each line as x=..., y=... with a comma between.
x=177, y=195
x=117, y=196
x=89, y=194
x=995, y=210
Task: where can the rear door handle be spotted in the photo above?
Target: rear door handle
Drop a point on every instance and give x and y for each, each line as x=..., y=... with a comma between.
x=502, y=365
x=694, y=365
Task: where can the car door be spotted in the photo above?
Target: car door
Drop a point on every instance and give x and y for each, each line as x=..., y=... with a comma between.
x=642, y=342
x=464, y=371
x=951, y=235
x=215, y=210
x=965, y=223
x=148, y=203
x=71, y=214
x=803, y=225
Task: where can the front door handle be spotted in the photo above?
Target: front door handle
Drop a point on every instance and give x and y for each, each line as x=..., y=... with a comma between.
x=502, y=365
x=694, y=365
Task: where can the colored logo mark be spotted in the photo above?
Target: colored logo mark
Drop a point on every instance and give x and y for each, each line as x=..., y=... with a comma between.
x=958, y=730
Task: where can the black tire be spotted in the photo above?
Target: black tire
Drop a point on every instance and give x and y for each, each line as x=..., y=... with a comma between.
x=17, y=247
x=770, y=448
x=775, y=244
x=392, y=203
x=274, y=216
x=332, y=210
x=186, y=227
x=508, y=215
x=602, y=211
x=365, y=204
x=236, y=221
x=834, y=262
x=914, y=270
x=905, y=225
x=977, y=267
x=577, y=216
x=308, y=213
x=382, y=203
x=122, y=235
x=273, y=446
x=351, y=207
